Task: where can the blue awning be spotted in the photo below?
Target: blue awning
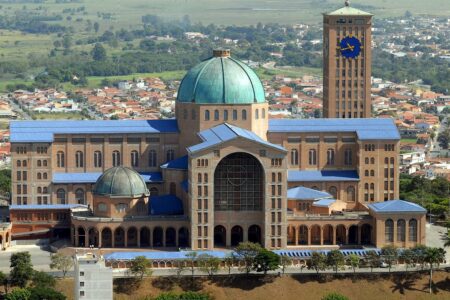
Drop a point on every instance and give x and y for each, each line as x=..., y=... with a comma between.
x=66, y=178
x=165, y=205
x=179, y=163
x=323, y=175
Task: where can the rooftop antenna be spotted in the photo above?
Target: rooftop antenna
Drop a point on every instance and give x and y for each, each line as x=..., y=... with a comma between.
x=347, y=3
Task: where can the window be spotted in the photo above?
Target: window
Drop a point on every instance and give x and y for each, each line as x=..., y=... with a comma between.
x=225, y=115
x=199, y=178
x=205, y=177
x=263, y=114
x=257, y=114
x=79, y=159
x=79, y=196
x=60, y=159
x=333, y=191
x=61, y=196
x=19, y=163
x=348, y=157
x=216, y=115
x=312, y=157
x=372, y=161
x=294, y=157
x=39, y=176
x=170, y=155
x=97, y=159
x=244, y=114
x=121, y=207
x=152, y=158
x=185, y=114
x=81, y=283
x=207, y=115
x=389, y=230
x=401, y=224
x=412, y=227
x=351, y=194
x=134, y=158
x=19, y=175
x=116, y=158
x=102, y=206
x=39, y=163
x=330, y=157
x=235, y=114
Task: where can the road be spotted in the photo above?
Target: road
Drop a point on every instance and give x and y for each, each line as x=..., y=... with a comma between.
x=434, y=143
x=19, y=110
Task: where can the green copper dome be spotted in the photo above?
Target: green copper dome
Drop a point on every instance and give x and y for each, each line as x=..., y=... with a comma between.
x=120, y=182
x=221, y=80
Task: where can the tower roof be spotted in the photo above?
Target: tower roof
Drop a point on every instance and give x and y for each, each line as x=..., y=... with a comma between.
x=347, y=10
x=221, y=79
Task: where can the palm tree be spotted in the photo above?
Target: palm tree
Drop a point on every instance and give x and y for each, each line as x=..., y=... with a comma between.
x=434, y=256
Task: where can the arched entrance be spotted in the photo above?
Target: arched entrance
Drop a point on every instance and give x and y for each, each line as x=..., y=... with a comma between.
x=239, y=183
x=106, y=238
x=340, y=235
x=132, y=237
x=315, y=235
x=220, y=236
x=237, y=235
x=145, y=237
x=366, y=234
x=119, y=237
x=353, y=235
x=303, y=235
x=328, y=235
x=291, y=236
x=171, y=237
x=158, y=237
x=81, y=237
x=93, y=237
x=183, y=237
x=254, y=234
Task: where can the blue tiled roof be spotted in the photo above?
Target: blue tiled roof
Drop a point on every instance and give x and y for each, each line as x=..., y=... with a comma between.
x=179, y=163
x=93, y=176
x=43, y=131
x=162, y=255
x=46, y=206
x=304, y=193
x=324, y=202
x=165, y=205
x=226, y=132
x=366, y=129
x=308, y=253
x=394, y=206
x=323, y=175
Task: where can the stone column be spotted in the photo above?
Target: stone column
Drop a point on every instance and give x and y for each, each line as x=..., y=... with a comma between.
x=76, y=237
x=296, y=235
x=99, y=238
x=164, y=237
x=346, y=235
x=176, y=237
x=245, y=234
x=112, y=239
x=138, y=233
x=309, y=236
x=359, y=235
x=86, y=238
x=227, y=237
x=125, y=237
x=334, y=235
x=321, y=236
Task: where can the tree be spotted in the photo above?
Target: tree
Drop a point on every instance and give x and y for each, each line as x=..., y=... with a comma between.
x=419, y=255
x=247, y=252
x=42, y=279
x=208, y=264
x=22, y=269
x=67, y=42
x=230, y=260
x=266, y=260
x=336, y=259
x=390, y=255
x=334, y=296
x=96, y=27
x=39, y=293
x=192, y=257
x=372, y=259
x=140, y=266
x=285, y=261
x=434, y=256
x=4, y=281
x=98, y=53
x=408, y=258
x=318, y=261
x=180, y=266
x=61, y=262
x=18, y=294
x=353, y=260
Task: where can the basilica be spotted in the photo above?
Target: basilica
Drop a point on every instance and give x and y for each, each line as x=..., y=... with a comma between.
x=220, y=173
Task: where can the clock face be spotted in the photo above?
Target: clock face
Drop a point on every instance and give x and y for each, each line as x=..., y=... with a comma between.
x=350, y=47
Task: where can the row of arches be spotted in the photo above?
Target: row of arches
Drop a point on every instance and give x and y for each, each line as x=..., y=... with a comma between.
x=236, y=235
x=131, y=237
x=402, y=228
x=330, y=235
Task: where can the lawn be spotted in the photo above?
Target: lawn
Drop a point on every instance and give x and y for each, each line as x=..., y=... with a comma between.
x=287, y=287
x=408, y=141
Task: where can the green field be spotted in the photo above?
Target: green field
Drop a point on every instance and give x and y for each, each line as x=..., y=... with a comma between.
x=408, y=141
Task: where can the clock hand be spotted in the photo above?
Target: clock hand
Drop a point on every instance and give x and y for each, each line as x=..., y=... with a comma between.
x=350, y=47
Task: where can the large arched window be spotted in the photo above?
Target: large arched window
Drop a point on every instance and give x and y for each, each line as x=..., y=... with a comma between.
x=207, y=116
x=60, y=159
x=98, y=161
x=257, y=114
x=348, y=157
x=401, y=224
x=134, y=159
x=79, y=196
x=412, y=228
x=116, y=158
x=170, y=155
x=216, y=115
x=333, y=191
x=312, y=157
x=294, y=157
x=79, y=159
x=389, y=231
x=330, y=157
x=61, y=196
x=351, y=194
x=239, y=183
x=244, y=114
x=235, y=113
x=152, y=158
x=225, y=115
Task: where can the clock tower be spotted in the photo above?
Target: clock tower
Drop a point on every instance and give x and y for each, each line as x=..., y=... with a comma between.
x=347, y=59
